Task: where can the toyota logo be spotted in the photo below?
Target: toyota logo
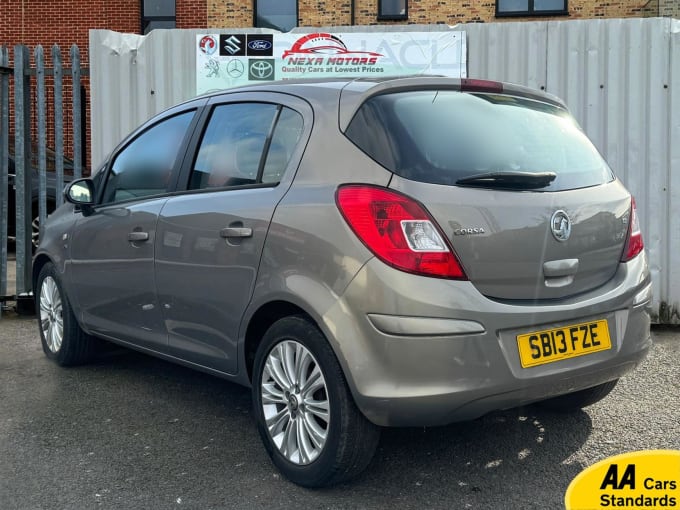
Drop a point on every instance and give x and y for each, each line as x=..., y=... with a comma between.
x=560, y=224
x=261, y=69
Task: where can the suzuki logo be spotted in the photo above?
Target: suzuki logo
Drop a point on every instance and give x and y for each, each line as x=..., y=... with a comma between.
x=261, y=69
x=560, y=224
x=232, y=45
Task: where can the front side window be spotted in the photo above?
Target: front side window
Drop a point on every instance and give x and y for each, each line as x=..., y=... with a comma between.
x=144, y=167
x=392, y=9
x=158, y=14
x=444, y=137
x=531, y=7
x=277, y=14
x=245, y=144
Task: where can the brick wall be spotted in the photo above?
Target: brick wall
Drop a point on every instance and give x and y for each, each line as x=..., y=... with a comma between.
x=191, y=13
x=669, y=8
x=239, y=13
x=62, y=22
x=229, y=13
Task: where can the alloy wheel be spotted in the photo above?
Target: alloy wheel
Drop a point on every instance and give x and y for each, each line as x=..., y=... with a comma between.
x=295, y=402
x=51, y=319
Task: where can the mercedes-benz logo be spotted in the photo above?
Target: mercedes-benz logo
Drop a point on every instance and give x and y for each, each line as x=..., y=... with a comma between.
x=235, y=68
x=261, y=69
x=560, y=224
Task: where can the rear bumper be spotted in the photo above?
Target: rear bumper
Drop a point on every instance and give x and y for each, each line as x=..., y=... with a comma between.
x=423, y=351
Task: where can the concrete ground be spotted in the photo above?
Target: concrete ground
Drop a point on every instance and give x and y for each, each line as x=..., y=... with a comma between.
x=130, y=431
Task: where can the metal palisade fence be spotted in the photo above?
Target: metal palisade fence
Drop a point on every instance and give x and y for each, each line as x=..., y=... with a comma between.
x=33, y=169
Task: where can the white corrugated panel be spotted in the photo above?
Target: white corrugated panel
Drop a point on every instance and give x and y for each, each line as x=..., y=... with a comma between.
x=134, y=77
x=671, y=272
x=512, y=52
x=620, y=78
x=612, y=74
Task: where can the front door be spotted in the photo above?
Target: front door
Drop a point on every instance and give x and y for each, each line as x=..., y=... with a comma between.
x=112, y=248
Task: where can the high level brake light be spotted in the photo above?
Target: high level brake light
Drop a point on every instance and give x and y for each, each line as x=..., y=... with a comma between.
x=398, y=230
x=474, y=85
x=634, y=244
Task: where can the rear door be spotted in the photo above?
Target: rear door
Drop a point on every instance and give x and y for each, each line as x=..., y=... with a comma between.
x=210, y=238
x=530, y=207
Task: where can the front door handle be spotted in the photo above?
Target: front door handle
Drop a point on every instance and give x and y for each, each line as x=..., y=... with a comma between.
x=138, y=236
x=236, y=232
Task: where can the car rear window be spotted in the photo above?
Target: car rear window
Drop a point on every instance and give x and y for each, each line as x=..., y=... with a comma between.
x=442, y=136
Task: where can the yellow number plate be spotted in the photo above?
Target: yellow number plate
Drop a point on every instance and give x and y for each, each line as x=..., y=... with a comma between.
x=557, y=344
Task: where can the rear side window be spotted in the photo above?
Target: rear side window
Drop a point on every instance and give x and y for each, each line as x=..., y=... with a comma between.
x=246, y=144
x=441, y=137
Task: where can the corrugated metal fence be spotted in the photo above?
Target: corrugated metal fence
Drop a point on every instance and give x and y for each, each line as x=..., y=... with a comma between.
x=621, y=79
x=25, y=179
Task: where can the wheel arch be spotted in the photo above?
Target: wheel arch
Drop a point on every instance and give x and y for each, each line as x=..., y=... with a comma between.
x=38, y=263
x=258, y=324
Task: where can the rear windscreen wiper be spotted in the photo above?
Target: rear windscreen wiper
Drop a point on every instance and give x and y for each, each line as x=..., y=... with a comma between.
x=509, y=180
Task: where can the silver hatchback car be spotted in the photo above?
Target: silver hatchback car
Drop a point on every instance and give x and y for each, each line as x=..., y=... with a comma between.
x=362, y=253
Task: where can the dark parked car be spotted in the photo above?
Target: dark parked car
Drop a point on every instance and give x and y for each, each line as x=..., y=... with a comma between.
x=362, y=253
x=51, y=190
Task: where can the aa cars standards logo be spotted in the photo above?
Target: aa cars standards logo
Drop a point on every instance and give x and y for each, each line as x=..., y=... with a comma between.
x=645, y=479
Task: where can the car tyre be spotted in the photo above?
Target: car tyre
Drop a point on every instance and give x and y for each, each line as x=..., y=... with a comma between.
x=306, y=416
x=579, y=399
x=62, y=338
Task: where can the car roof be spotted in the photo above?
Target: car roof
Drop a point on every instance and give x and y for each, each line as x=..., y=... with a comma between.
x=365, y=87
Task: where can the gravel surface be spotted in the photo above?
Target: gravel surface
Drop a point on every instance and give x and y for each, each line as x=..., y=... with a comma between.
x=130, y=431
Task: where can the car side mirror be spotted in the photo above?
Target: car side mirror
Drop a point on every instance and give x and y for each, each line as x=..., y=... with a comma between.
x=81, y=192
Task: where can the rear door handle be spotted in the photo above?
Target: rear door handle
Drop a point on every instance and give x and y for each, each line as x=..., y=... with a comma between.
x=236, y=232
x=138, y=236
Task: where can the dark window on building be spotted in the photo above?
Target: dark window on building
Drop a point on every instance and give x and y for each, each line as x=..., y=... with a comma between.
x=392, y=9
x=158, y=14
x=277, y=14
x=531, y=7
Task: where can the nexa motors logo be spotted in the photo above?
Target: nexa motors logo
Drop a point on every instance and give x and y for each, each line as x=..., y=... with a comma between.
x=326, y=49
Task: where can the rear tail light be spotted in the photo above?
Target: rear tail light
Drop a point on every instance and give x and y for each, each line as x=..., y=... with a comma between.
x=398, y=230
x=634, y=244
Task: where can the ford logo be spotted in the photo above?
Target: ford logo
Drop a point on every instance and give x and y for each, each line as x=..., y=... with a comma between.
x=259, y=45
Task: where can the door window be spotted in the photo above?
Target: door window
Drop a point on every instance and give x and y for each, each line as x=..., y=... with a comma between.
x=144, y=167
x=245, y=144
x=284, y=140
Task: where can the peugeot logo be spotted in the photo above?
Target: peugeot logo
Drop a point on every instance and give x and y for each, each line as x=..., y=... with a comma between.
x=259, y=45
x=261, y=69
x=560, y=224
x=232, y=45
x=235, y=68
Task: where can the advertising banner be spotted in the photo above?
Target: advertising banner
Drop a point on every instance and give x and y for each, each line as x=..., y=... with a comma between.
x=231, y=60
